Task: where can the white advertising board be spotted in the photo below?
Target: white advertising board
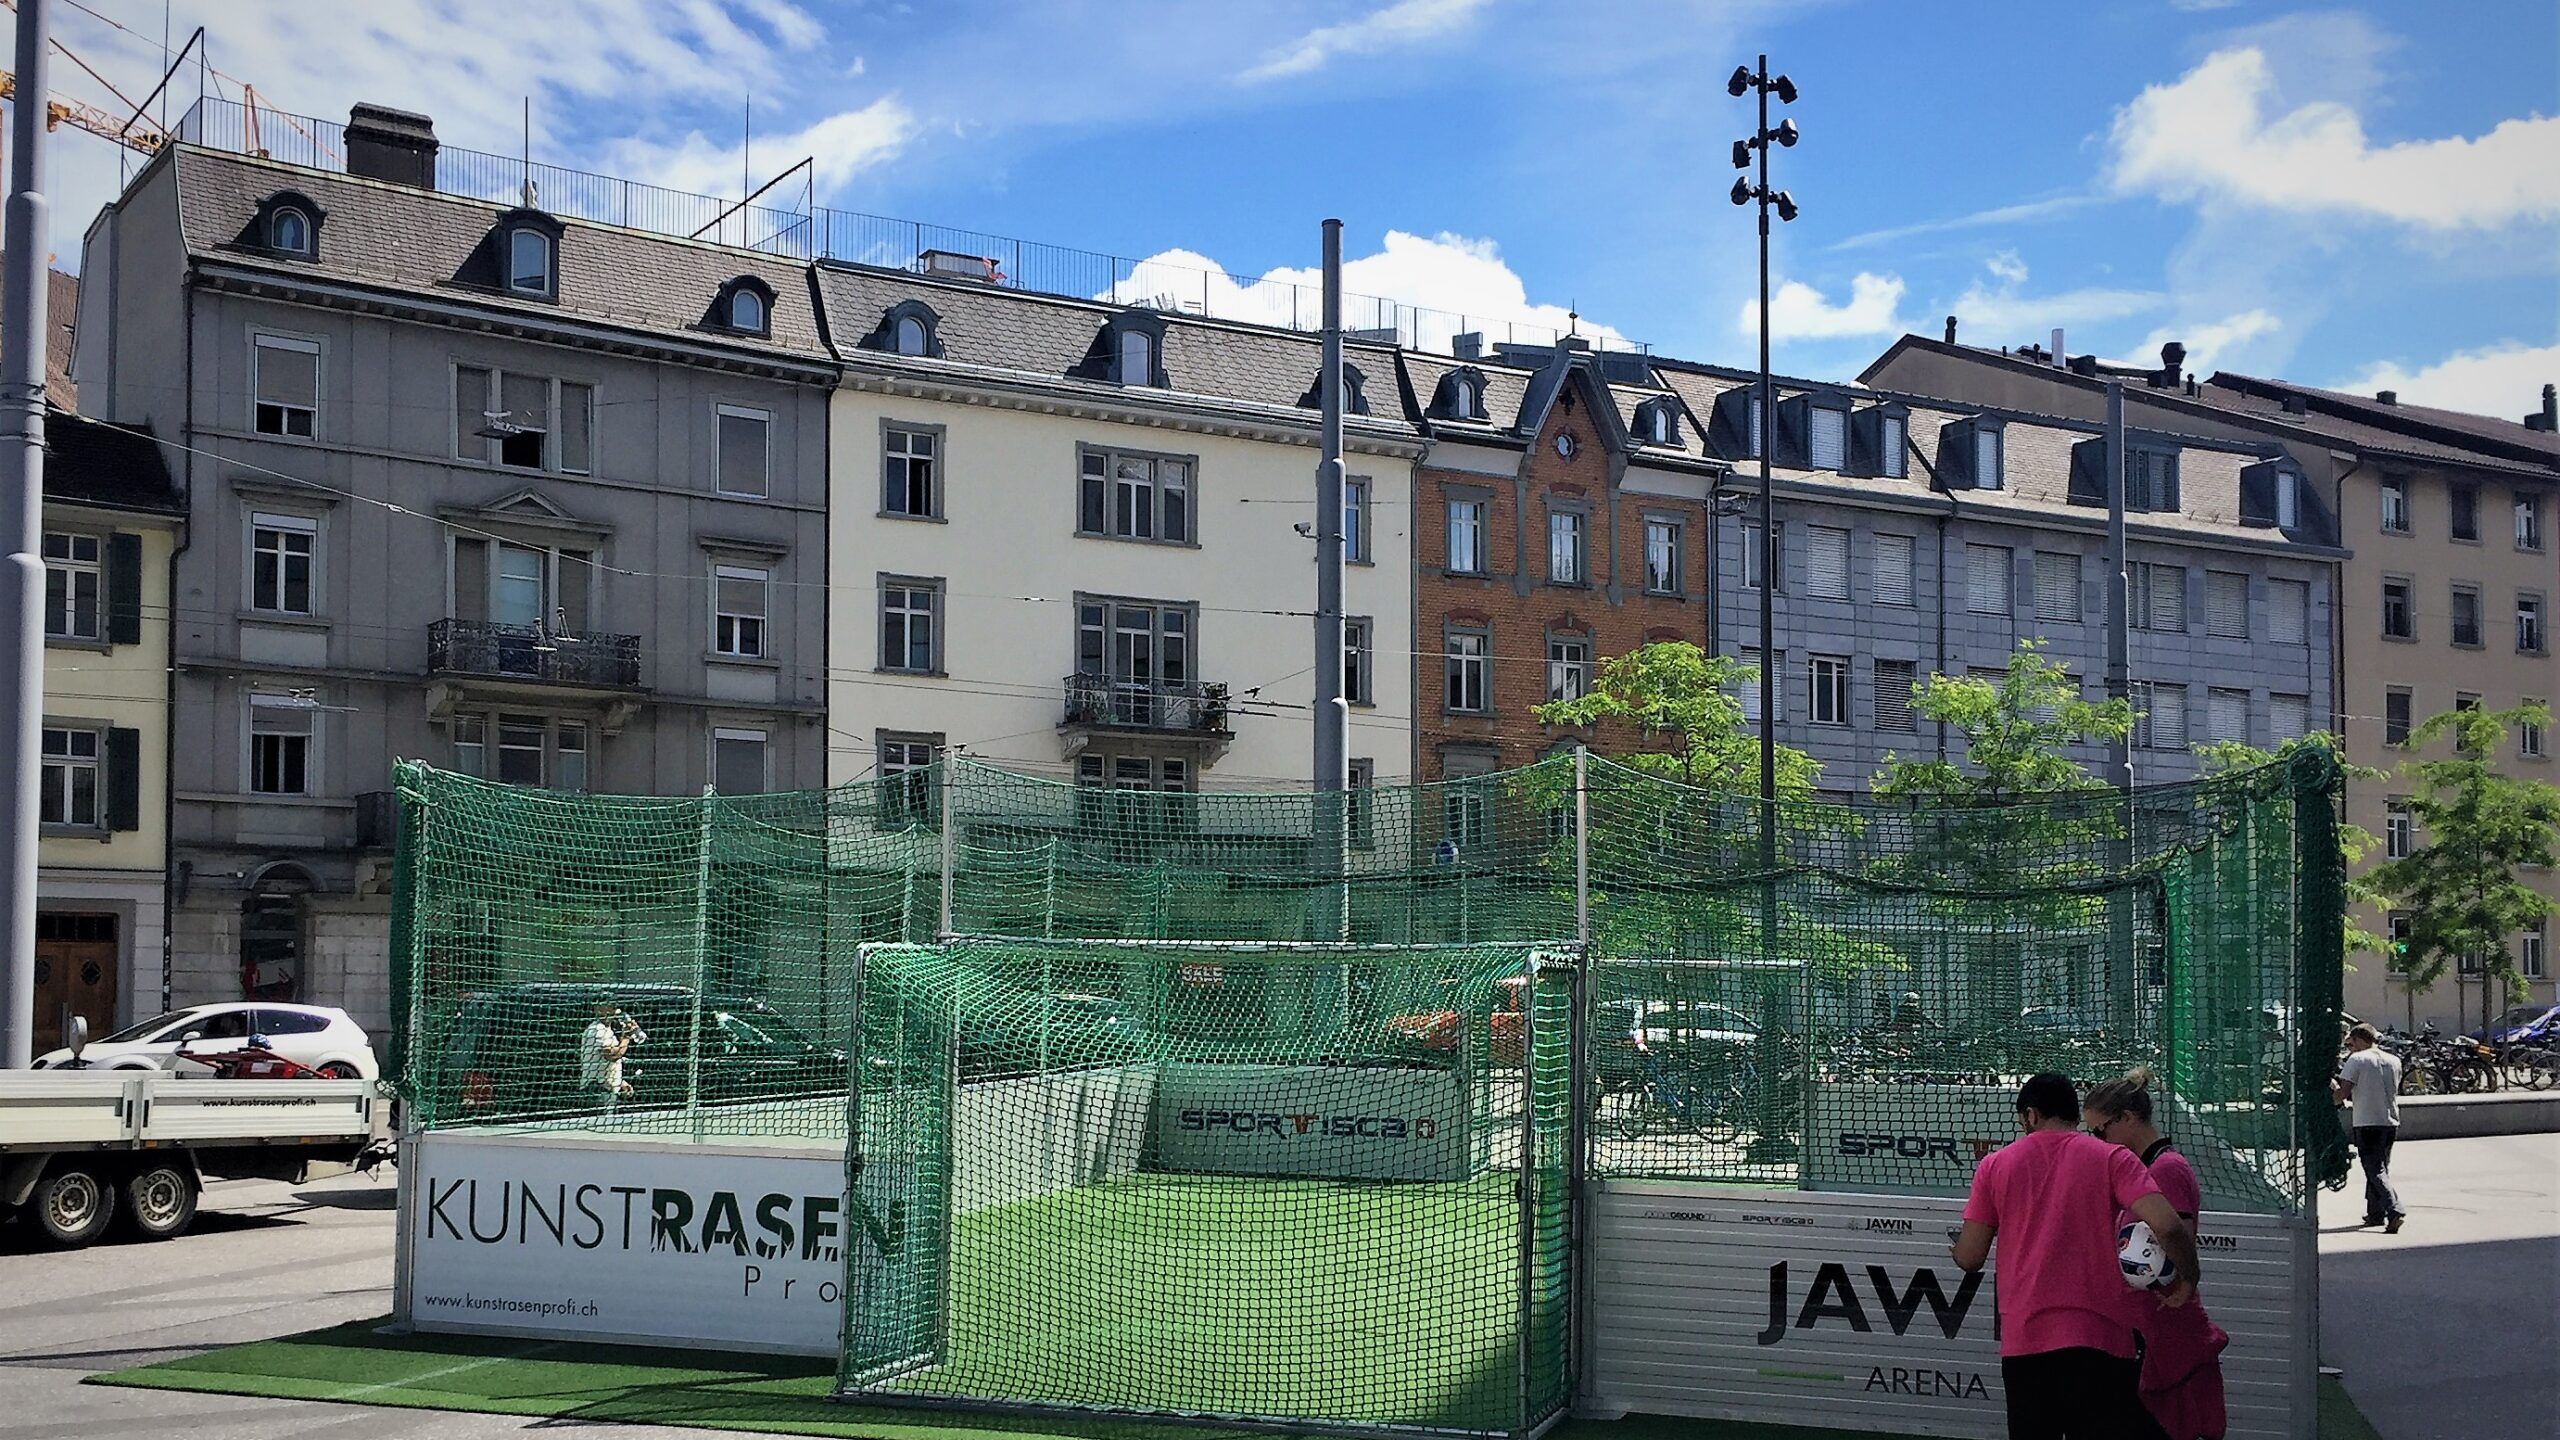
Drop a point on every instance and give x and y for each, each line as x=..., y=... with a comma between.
x=1845, y=1310
x=1333, y=1121
x=1923, y=1138
x=727, y=1248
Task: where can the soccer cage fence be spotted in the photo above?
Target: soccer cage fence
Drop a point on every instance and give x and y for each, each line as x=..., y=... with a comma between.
x=1280, y=1108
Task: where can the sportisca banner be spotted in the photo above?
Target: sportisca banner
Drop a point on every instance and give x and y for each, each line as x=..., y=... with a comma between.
x=1334, y=1122
x=724, y=1249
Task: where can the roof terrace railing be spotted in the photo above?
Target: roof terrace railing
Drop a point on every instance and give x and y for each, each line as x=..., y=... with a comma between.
x=810, y=231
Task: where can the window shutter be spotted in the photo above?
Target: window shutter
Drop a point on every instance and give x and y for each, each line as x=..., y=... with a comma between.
x=1827, y=562
x=2057, y=586
x=1987, y=579
x=470, y=578
x=2168, y=598
x=124, y=588
x=2227, y=712
x=2169, y=716
x=2289, y=716
x=2288, y=612
x=1893, y=570
x=1828, y=445
x=124, y=779
x=1894, y=679
x=2226, y=595
x=2089, y=472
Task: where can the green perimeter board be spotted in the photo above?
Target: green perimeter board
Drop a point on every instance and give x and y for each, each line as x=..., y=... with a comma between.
x=596, y=1383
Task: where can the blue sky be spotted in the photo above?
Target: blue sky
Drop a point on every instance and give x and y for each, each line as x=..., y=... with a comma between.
x=2345, y=196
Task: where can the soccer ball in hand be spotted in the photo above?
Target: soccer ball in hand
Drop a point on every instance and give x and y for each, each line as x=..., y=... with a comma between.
x=2142, y=1259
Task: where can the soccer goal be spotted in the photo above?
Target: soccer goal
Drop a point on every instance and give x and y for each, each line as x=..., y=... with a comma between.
x=1304, y=1185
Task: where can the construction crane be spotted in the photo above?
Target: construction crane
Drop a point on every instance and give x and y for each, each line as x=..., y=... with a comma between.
x=141, y=135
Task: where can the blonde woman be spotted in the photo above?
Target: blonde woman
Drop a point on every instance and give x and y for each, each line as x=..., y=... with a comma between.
x=2181, y=1365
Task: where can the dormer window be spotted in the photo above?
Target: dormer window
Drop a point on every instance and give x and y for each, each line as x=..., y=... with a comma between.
x=1986, y=458
x=1969, y=454
x=1355, y=392
x=1889, y=445
x=911, y=336
x=746, y=311
x=1657, y=423
x=529, y=262
x=744, y=305
x=1876, y=438
x=1461, y=395
x=1828, y=438
x=289, y=230
x=1130, y=351
x=1137, y=357
x=907, y=328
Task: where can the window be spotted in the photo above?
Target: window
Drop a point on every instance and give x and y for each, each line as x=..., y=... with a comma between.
x=1469, y=653
x=1355, y=519
x=1137, y=357
x=1564, y=547
x=1127, y=496
x=1987, y=580
x=2396, y=705
x=907, y=630
x=2226, y=715
x=1357, y=661
x=289, y=230
x=1893, y=580
x=1986, y=459
x=1360, y=803
x=1659, y=425
x=522, y=416
x=2395, y=505
x=746, y=309
x=1826, y=560
x=909, y=337
x=1465, y=402
x=2288, y=717
x=2529, y=736
x=2399, y=615
x=74, y=574
x=2466, y=615
x=2531, y=950
x=2289, y=612
x=1751, y=690
x=280, y=549
x=471, y=744
x=1753, y=556
x=1829, y=679
x=1757, y=417
x=1890, y=430
x=280, y=744
x=1568, y=667
x=2226, y=604
x=68, y=787
x=520, y=746
x=2161, y=723
x=738, y=761
x=745, y=441
x=2528, y=522
x=2057, y=586
x=529, y=261
x=1466, y=537
x=2465, y=700
x=906, y=776
x=739, y=597
x=1663, y=549
x=286, y=382
x=910, y=473
x=2529, y=635
x=2158, y=598
x=2399, y=829
x=1894, y=682
x=2288, y=500
x=2151, y=480
x=1467, y=801
x=2464, y=520
x=570, y=741
x=1829, y=438
x=1141, y=652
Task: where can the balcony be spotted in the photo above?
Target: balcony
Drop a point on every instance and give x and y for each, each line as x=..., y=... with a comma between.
x=1145, y=707
x=530, y=654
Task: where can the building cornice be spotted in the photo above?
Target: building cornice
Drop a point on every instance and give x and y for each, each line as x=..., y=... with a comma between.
x=1178, y=411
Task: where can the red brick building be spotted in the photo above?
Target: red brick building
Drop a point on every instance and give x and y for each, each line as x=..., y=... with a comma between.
x=1561, y=517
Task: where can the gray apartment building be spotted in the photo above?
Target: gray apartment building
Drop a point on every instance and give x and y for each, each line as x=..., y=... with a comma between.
x=1919, y=535
x=525, y=495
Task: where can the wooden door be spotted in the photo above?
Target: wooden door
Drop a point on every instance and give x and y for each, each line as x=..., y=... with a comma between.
x=75, y=975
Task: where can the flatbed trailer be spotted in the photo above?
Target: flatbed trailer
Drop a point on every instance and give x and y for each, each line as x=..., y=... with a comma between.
x=84, y=1151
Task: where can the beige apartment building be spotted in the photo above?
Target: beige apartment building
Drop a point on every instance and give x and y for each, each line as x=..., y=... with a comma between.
x=2445, y=594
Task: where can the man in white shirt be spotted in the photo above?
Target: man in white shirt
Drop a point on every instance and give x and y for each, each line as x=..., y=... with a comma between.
x=600, y=1053
x=2369, y=1082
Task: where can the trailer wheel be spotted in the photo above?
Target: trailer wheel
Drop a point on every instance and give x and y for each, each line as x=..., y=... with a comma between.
x=72, y=1206
x=159, y=1201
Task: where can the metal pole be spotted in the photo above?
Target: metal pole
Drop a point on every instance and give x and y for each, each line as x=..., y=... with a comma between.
x=2125, y=974
x=23, y=328
x=1582, y=847
x=942, y=925
x=1769, y=1145
x=1331, y=771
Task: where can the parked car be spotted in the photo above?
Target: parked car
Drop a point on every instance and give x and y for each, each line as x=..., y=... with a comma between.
x=1084, y=1030
x=2522, y=1023
x=321, y=1037
x=513, y=1052
x=1624, y=1032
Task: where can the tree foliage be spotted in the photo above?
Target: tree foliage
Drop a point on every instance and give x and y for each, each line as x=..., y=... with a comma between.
x=1672, y=689
x=2224, y=757
x=2459, y=887
x=2016, y=734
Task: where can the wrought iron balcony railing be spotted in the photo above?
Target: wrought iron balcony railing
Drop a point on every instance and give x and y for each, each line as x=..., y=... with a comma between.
x=530, y=652
x=1114, y=703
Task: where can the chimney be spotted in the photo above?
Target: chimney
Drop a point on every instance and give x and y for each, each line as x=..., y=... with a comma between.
x=1951, y=329
x=2173, y=364
x=2548, y=420
x=2058, y=361
x=2084, y=365
x=1467, y=345
x=2297, y=405
x=2387, y=397
x=392, y=145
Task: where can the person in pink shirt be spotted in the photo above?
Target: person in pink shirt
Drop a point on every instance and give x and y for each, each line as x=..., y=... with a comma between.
x=2050, y=1199
x=2181, y=1373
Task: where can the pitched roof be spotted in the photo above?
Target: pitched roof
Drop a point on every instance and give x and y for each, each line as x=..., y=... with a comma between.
x=89, y=462
x=398, y=237
x=2455, y=430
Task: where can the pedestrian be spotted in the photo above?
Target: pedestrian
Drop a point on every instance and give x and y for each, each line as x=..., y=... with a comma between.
x=2050, y=1199
x=2180, y=1376
x=600, y=1050
x=2369, y=1083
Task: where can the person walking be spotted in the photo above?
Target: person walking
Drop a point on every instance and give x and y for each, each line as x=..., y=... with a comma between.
x=2369, y=1083
x=2180, y=1375
x=607, y=1039
x=2050, y=1199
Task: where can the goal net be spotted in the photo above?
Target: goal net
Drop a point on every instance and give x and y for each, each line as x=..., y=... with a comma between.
x=1320, y=1185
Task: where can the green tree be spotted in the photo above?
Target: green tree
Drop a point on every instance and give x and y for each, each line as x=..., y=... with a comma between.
x=2225, y=757
x=2015, y=730
x=1673, y=689
x=2459, y=888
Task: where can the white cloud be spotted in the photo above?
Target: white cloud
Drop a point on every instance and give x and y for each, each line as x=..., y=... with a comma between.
x=2209, y=343
x=1405, y=22
x=2001, y=309
x=2007, y=267
x=2050, y=207
x=2209, y=137
x=1433, y=287
x=1800, y=312
x=2504, y=380
x=2197, y=7
x=839, y=147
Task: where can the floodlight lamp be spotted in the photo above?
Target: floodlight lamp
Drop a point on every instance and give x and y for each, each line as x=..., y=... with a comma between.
x=1785, y=134
x=1784, y=89
x=1741, y=154
x=1740, y=84
x=1742, y=192
x=1786, y=204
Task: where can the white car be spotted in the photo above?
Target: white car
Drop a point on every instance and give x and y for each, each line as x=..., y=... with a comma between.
x=320, y=1036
